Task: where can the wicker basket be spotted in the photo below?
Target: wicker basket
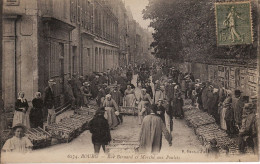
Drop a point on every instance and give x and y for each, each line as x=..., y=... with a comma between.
x=133, y=111
x=39, y=137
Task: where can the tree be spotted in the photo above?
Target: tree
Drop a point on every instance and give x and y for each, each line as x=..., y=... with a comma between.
x=186, y=30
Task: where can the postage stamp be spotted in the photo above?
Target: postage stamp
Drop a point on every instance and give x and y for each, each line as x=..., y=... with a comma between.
x=233, y=23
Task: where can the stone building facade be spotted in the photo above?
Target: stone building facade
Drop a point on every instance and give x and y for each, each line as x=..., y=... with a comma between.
x=45, y=39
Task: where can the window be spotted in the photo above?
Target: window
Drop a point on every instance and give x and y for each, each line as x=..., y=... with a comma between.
x=74, y=61
x=73, y=10
x=12, y=2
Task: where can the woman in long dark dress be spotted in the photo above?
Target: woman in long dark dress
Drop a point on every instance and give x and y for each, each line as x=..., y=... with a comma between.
x=178, y=104
x=36, y=116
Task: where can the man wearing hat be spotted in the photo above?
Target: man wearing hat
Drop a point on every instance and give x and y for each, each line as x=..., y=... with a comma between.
x=161, y=110
x=149, y=88
x=85, y=91
x=76, y=84
x=49, y=102
x=100, y=95
x=94, y=86
x=204, y=96
x=191, y=87
x=118, y=97
x=169, y=92
x=237, y=105
x=70, y=94
x=99, y=128
x=129, y=75
x=249, y=130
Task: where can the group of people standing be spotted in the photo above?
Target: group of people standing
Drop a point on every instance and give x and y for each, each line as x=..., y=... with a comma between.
x=156, y=107
x=233, y=111
x=34, y=117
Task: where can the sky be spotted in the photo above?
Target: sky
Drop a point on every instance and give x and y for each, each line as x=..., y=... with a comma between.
x=136, y=7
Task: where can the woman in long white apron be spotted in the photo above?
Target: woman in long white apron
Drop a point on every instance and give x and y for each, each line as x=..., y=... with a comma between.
x=144, y=102
x=130, y=98
x=159, y=94
x=110, y=108
x=21, y=115
x=223, y=110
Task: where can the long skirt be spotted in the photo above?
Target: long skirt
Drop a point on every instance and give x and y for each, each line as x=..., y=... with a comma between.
x=168, y=122
x=223, y=124
x=142, y=111
x=111, y=117
x=21, y=118
x=129, y=100
x=158, y=95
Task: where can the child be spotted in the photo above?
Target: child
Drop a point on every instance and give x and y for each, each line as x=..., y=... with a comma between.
x=18, y=143
x=212, y=148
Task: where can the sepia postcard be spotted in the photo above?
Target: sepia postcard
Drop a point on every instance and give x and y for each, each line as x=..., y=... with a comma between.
x=88, y=81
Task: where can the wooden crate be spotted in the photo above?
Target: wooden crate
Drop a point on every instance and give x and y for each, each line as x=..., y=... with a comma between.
x=61, y=133
x=39, y=137
x=199, y=119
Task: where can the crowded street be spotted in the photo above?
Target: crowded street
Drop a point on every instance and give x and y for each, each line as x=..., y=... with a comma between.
x=183, y=136
x=129, y=81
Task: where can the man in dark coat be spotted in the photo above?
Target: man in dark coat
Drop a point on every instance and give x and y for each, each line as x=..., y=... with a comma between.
x=178, y=106
x=237, y=105
x=169, y=91
x=85, y=91
x=118, y=97
x=100, y=95
x=149, y=88
x=199, y=90
x=76, y=88
x=129, y=75
x=69, y=93
x=99, y=128
x=211, y=100
x=229, y=118
x=192, y=77
x=161, y=110
x=204, y=97
x=249, y=129
x=102, y=78
x=49, y=102
x=94, y=86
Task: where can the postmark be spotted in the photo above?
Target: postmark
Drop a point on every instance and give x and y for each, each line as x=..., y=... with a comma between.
x=233, y=23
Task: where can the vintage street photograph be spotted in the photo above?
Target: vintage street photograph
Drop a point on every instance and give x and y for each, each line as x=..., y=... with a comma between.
x=125, y=81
